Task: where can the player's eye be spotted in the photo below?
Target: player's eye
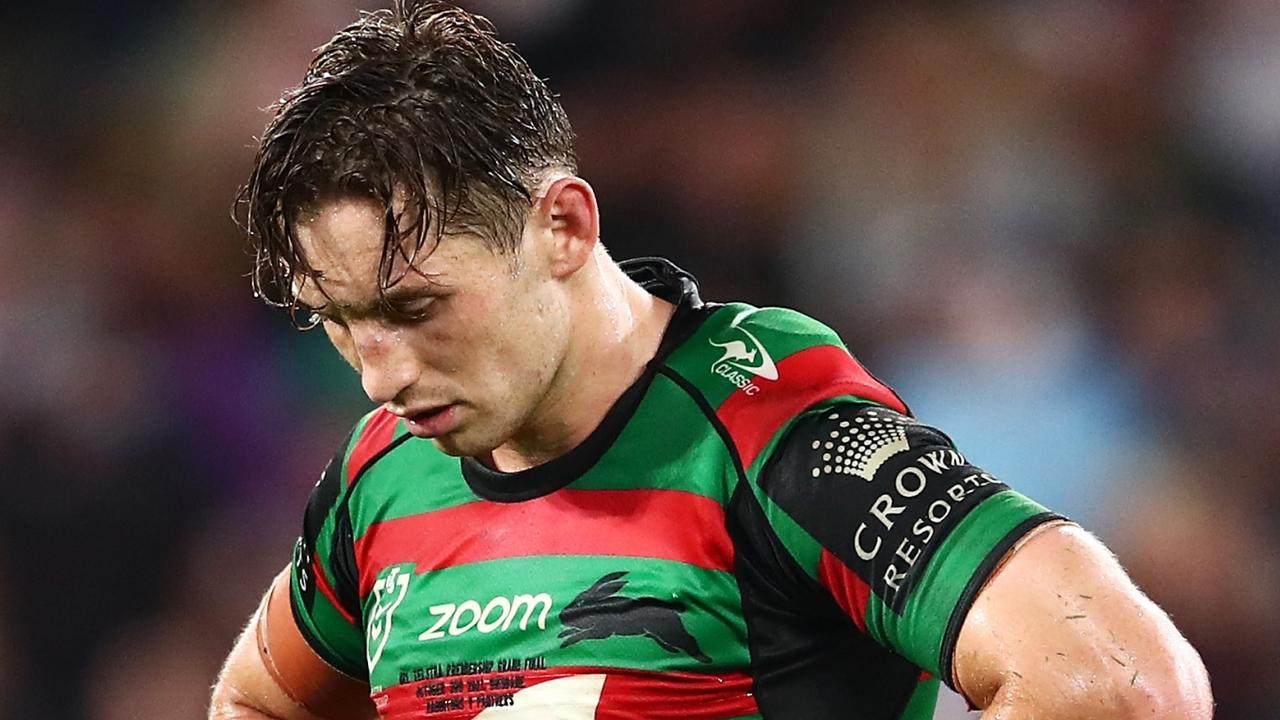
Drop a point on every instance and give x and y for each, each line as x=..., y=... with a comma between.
x=309, y=318
x=412, y=310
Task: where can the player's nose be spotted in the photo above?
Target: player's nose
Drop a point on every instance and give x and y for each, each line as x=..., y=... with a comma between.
x=387, y=367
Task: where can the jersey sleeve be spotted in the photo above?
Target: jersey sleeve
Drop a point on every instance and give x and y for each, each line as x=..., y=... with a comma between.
x=897, y=526
x=324, y=589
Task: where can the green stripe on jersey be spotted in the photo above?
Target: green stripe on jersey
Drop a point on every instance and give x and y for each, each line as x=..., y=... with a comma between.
x=799, y=544
x=417, y=477
x=511, y=608
x=918, y=633
x=924, y=700
x=342, y=643
x=668, y=433
x=781, y=333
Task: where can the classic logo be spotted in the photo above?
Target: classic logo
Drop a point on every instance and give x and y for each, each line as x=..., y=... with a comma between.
x=599, y=612
x=388, y=593
x=744, y=359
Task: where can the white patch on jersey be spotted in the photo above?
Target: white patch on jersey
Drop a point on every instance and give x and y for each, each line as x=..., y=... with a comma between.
x=861, y=445
x=388, y=593
x=743, y=356
x=570, y=698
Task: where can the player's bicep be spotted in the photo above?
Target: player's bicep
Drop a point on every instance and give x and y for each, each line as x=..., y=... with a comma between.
x=273, y=672
x=1062, y=630
x=908, y=527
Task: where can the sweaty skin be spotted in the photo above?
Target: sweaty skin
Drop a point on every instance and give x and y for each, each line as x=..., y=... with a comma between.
x=504, y=342
x=1059, y=631
x=529, y=350
x=273, y=673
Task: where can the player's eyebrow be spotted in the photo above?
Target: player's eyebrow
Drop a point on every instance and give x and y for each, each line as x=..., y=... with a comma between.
x=395, y=294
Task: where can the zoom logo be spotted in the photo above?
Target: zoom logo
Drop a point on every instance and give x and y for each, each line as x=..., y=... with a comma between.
x=498, y=614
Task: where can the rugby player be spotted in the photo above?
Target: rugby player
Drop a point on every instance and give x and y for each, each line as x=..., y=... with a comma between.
x=586, y=492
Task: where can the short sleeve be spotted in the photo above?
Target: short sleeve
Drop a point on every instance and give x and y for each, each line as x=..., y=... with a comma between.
x=893, y=522
x=324, y=592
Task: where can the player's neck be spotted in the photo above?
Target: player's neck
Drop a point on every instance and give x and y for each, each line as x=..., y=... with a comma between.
x=618, y=327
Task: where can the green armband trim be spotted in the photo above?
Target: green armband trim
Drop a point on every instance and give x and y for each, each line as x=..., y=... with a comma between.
x=323, y=614
x=925, y=631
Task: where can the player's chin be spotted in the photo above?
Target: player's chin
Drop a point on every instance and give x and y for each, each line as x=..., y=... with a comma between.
x=450, y=445
x=466, y=440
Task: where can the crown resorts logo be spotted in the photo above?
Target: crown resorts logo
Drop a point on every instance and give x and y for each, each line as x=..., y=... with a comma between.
x=744, y=358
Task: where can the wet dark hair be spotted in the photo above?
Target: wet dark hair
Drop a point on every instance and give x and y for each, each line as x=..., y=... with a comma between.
x=420, y=104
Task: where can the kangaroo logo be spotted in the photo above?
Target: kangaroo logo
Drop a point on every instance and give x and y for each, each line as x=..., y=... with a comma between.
x=749, y=357
x=388, y=593
x=598, y=613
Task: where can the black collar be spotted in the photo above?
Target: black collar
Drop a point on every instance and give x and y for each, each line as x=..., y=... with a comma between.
x=661, y=278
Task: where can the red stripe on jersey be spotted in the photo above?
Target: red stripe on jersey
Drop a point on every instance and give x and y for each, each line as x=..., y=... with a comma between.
x=663, y=524
x=625, y=694
x=322, y=584
x=851, y=592
x=676, y=696
x=377, y=434
x=804, y=378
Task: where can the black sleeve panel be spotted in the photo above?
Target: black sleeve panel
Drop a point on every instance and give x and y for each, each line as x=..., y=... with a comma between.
x=876, y=489
x=328, y=499
x=807, y=658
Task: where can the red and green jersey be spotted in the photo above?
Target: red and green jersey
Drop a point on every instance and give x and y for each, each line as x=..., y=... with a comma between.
x=757, y=529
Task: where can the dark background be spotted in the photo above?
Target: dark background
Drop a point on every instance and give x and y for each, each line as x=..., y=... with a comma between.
x=1051, y=226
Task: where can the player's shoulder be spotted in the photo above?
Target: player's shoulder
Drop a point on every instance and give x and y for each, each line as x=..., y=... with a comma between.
x=378, y=444
x=737, y=341
x=759, y=368
x=783, y=326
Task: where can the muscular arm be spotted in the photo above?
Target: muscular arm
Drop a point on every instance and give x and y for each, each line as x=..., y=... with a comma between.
x=1025, y=613
x=272, y=672
x=1059, y=631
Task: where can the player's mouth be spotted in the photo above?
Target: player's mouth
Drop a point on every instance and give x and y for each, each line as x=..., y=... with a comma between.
x=433, y=422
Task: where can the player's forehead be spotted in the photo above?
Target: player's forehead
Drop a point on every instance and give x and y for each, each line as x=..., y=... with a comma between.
x=334, y=233
x=342, y=242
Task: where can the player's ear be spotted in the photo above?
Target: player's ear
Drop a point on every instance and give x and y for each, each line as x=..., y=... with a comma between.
x=567, y=212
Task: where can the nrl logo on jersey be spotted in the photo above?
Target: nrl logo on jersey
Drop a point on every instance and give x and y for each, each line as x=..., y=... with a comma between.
x=388, y=593
x=745, y=358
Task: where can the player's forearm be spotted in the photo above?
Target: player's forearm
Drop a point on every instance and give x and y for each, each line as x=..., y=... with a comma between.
x=1161, y=677
x=232, y=701
x=226, y=706
x=1183, y=695
x=1061, y=632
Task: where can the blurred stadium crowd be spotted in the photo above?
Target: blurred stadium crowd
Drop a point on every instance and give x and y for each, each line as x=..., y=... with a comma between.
x=1051, y=226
